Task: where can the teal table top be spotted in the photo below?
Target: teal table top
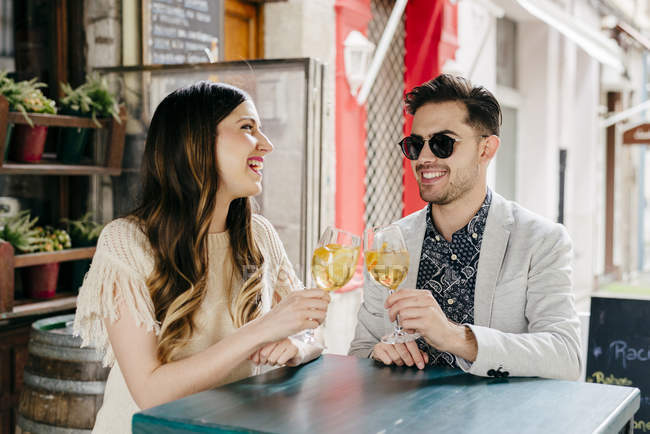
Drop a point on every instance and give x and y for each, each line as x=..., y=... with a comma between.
x=337, y=394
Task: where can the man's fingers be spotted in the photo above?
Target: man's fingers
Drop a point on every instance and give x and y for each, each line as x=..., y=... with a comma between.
x=394, y=355
x=426, y=356
x=415, y=353
x=381, y=355
x=411, y=304
x=398, y=295
x=404, y=354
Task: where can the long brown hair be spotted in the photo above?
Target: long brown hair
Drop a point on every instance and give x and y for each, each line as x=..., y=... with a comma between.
x=179, y=190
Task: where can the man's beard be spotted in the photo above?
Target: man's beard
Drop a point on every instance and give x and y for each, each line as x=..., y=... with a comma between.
x=465, y=180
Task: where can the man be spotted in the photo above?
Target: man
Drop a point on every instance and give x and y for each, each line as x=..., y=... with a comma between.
x=494, y=294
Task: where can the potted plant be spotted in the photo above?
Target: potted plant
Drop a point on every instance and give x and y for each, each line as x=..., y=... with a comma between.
x=92, y=99
x=84, y=233
x=19, y=230
x=39, y=281
x=27, y=97
x=10, y=91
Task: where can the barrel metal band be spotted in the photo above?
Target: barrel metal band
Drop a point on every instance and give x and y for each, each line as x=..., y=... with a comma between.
x=28, y=425
x=64, y=353
x=64, y=386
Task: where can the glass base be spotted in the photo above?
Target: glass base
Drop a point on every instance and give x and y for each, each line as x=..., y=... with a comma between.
x=400, y=337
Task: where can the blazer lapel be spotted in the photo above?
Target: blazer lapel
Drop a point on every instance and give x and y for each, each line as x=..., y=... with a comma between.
x=493, y=249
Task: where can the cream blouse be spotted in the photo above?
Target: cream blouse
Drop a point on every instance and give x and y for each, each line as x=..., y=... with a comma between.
x=119, y=270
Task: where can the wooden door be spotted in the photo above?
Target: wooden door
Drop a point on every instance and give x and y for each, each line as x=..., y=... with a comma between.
x=243, y=30
x=13, y=356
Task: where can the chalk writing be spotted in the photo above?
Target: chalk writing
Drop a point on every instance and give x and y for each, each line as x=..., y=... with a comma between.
x=623, y=353
x=600, y=378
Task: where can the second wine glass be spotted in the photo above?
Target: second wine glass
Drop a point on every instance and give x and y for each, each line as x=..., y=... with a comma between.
x=387, y=262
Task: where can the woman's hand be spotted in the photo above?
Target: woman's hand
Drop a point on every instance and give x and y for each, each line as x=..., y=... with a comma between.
x=279, y=353
x=298, y=311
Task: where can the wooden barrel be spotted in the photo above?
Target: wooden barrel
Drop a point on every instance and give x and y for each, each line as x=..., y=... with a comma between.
x=63, y=383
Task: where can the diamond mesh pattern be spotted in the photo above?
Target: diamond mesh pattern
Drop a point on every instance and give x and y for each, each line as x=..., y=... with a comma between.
x=384, y=125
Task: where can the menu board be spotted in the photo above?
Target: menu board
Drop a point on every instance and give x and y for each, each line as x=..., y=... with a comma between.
x=619, y=349
x=180, y=31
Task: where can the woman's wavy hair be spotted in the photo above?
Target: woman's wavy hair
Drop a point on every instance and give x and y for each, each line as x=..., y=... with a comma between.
x=179, y=190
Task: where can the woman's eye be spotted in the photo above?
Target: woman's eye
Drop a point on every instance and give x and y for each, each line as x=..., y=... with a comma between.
x=248, y=127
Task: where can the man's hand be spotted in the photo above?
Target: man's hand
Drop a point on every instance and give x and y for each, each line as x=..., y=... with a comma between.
x=420, y=312
x=279, y=353
x=400, y=354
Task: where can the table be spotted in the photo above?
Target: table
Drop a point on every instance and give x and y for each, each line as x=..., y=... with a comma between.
x=339, y=394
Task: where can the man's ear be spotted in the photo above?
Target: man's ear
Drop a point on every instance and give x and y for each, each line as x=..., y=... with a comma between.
x=489, y=147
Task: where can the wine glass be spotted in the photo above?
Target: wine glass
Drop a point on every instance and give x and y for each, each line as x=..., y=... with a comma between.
x=333, y=264
x=387, y=262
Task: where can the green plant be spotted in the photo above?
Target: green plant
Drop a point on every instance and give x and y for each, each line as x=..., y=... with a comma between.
x=26, y=96
x=52, y=240
x=19, y=230
x=93, y=97
x=85, y=231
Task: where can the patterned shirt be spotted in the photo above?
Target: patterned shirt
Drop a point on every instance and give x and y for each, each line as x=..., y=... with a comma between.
x=448, y=270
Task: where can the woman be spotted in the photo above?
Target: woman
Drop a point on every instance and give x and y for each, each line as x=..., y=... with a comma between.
x=191, y=285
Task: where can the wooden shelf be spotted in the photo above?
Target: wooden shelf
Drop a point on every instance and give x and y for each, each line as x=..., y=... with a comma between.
x=31, y=259
x=114, y=151
x=29, y=307
x=57, y=120
x=52, y=168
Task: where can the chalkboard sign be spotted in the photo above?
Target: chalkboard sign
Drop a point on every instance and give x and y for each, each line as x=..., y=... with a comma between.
x=180, y=31
x=619, y=349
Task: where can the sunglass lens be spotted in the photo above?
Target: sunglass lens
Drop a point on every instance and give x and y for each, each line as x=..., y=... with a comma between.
x=411, y=147
x=442, y=145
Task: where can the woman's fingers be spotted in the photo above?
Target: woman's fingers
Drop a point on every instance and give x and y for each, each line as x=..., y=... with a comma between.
x=266, y=352
x=276, y=354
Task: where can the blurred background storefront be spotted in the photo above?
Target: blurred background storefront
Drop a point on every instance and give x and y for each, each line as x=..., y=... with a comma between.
x=572, y=77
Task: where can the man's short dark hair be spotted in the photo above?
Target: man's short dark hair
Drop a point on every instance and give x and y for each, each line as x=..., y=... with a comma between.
x=484, y=111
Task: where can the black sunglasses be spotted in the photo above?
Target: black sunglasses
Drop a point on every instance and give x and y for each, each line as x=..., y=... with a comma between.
x=440, y=144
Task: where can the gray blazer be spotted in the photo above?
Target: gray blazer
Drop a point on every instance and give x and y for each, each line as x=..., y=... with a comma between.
x=524, y=313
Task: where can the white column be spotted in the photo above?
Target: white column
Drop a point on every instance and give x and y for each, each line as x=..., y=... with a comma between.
x=537, y=181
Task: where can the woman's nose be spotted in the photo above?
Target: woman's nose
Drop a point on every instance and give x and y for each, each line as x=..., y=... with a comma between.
x=264, y=144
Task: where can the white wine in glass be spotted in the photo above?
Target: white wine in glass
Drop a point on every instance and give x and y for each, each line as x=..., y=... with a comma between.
x=387, y=262
x=333, y=263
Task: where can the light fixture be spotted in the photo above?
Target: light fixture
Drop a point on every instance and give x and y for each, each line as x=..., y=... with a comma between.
x=357, y=52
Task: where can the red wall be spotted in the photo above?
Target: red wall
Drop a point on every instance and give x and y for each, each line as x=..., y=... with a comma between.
x=350, y=124
x=431, y=39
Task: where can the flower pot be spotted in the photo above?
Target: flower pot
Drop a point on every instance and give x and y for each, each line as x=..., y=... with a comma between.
x=10, y=129
x=71, y=145
x=29, y=143
x=39, y=281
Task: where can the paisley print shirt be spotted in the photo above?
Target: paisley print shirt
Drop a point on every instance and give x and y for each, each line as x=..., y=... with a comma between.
x=448, y=270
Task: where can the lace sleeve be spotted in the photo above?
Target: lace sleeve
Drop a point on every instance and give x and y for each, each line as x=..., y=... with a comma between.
x=117, y=275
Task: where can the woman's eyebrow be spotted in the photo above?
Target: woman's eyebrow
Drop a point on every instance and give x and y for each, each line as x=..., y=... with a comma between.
x=250, y=118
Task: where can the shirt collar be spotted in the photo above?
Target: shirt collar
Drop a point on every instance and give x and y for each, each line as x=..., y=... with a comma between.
x=476, y=223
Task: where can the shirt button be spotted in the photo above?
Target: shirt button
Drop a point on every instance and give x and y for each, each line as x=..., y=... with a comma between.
x=475, y=235
x=450, y=301
x=437, y=238
x=453, y=257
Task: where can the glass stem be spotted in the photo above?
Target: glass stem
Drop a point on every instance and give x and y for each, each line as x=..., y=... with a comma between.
x=397, y=328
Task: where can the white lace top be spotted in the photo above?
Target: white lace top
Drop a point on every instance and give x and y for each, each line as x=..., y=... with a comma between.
x=119, y=270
